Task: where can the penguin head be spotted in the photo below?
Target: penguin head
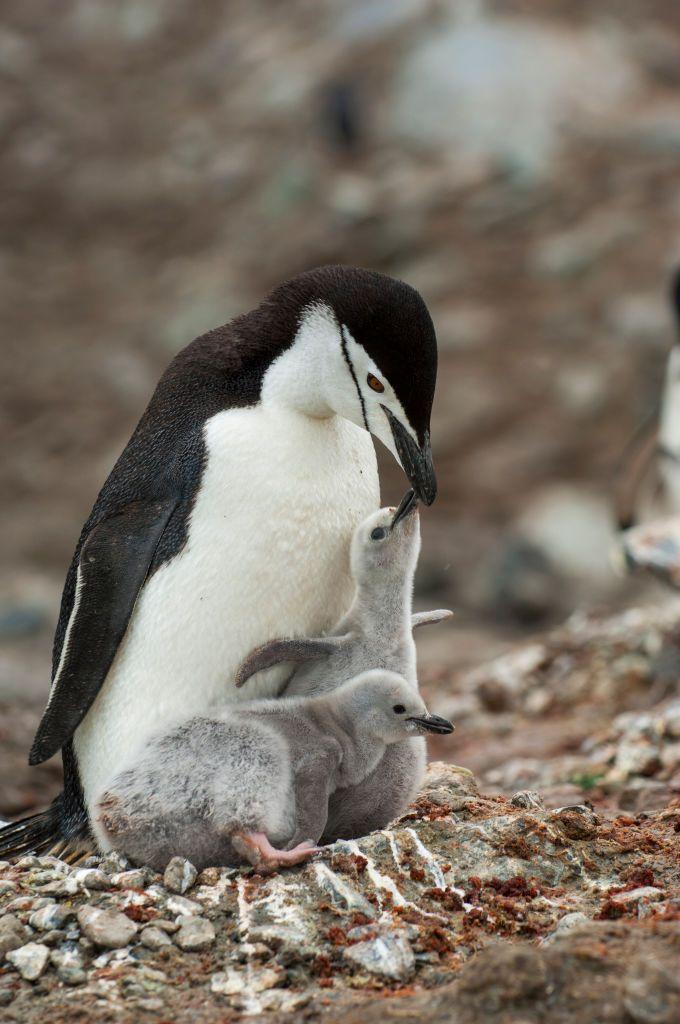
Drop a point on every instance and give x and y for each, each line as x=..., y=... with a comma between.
x=383, y=704
x=386, y=545
x=361, y=346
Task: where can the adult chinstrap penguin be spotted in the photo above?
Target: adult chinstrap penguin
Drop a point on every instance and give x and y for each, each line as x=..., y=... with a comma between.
x=227, y=519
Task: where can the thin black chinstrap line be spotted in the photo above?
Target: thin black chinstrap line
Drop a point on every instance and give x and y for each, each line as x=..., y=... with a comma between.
x=350, y=367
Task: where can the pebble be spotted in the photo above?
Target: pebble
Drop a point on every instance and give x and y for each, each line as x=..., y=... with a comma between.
x=152, y=1004
x=180, y=875
x=48, y=918
x=577, y=821
x=184, y=907
x=20, y=903
x=134, y=879
x=195, y=933
x=13, y=933
x=113, y=862
x=155, y=938
x=388, y=956
x=107, y=928
x=232, y=982
x=166, y=926
x=30, y=960
x=528, y=799
x=7, y=886
x=69, y=966
x=28, y=862
x=228, y=983
x=644, y=893
x=565, y=924
x=91, y=878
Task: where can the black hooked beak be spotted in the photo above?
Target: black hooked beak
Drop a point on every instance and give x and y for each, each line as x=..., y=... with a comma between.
x=416, y=460
x=433, y=723
x=407, y=505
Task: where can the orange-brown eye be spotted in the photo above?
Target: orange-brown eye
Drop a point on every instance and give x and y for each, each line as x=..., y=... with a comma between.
x=374, y=383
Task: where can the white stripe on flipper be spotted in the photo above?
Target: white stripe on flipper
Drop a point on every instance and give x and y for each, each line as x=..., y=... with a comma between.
x=65, y=647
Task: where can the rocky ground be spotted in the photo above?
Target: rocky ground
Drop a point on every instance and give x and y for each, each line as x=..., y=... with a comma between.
x=545, y=889
x=468, y=905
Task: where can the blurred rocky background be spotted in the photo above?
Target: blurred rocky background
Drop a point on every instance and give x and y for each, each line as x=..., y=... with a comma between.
x=165, y=163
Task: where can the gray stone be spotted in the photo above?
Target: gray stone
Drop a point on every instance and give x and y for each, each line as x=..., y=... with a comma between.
x=113, y=862
x=69, y=966
x=48, y=918
x=463, y=82
x=388, y=956
x=180, y=875
x=106, y=928
x=30, y=960
x=566, y=924
x=181, y=905
x=133, y=879
x=528, y=798
x=92, y=878
x=195, y=933
x=12, y=933
x=155, y=938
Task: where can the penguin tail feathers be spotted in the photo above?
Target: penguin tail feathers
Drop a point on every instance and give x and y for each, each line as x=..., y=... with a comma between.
x=35, y=834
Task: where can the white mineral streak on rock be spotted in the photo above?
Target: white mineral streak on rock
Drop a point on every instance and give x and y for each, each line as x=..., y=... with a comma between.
x=340, y=890
x=251, y=1003
x=386, y=883
x=379, y=880
x=430, y=861
x=281, y=903
x=393, y=846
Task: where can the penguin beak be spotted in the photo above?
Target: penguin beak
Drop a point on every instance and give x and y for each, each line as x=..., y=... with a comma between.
x=407, y=506
x=416, y=460
x=433, y=723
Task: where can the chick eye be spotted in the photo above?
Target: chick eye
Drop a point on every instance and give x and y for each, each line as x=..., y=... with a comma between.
x=375, y=384
x=379, y=533
x=399, y=709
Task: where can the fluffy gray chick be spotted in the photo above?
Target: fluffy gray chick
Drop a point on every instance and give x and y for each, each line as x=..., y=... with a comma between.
x=377, y=632
x=253, y=782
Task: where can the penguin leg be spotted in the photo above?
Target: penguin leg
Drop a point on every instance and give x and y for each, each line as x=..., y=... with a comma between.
x=257, y=849
x=311, y=801
x=295, y=650
x=424, y=618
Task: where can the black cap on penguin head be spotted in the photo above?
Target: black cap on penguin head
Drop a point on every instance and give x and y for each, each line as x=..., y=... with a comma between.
x=385, y=325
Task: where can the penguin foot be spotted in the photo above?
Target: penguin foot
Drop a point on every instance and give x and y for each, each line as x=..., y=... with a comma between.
x=259, y=852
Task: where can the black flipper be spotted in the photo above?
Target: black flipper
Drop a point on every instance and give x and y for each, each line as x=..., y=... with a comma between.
x=114, y=562
x=276, y=651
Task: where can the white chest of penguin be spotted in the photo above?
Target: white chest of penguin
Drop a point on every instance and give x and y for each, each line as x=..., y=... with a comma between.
x=267, y=554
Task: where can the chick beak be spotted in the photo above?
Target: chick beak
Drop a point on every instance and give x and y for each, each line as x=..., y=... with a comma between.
x=433, y=723
x=416, y=460
x=407, y=506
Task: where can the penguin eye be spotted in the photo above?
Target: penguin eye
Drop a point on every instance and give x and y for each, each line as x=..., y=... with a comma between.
x=399, y=709
x=379, y=533
x=375, y=384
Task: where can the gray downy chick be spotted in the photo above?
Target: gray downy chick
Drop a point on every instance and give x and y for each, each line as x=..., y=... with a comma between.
x=377, y=632
x=253, y=782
